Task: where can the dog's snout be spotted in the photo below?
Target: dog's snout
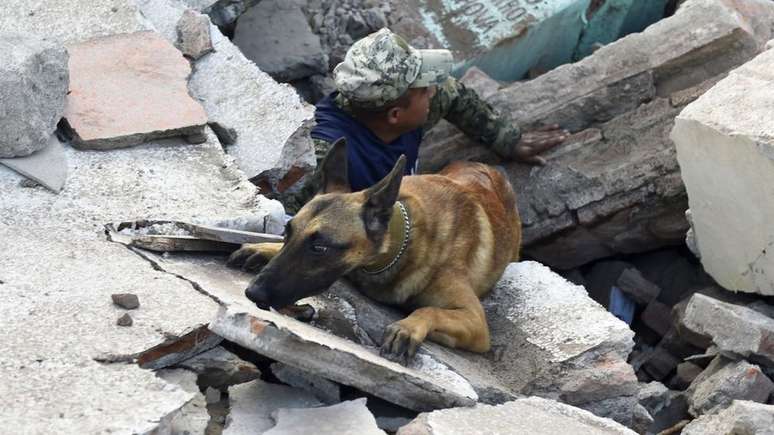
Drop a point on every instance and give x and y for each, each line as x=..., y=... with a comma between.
x=258, y=294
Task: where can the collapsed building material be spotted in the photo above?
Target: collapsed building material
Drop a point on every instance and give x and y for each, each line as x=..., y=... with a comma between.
x=47, y=166
x=254, y=403
x=328, y=392
x=154, y=104
x=193, y=33
x=733, y=328
x=726, y=155
x=742, y=417
x=193, y=417
x=219, y=368
x=531, y=415
x=621, y=193
x=33, y=86
x=346, y=418
x=724, y=381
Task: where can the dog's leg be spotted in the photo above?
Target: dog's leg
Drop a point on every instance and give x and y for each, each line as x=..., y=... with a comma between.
x=253, y=256
x=462, y=326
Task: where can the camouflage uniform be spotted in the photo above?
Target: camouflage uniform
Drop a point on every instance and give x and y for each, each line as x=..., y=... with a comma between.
x=383, y=54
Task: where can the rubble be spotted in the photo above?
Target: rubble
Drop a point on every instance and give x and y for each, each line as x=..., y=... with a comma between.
x=33, y=86
x=237, y=95
x=254, y=403
x=276, y=36
x=621, y=193
x=219, y=368
x=321, y=353
x=731, y=142
x=632, y=282
x=154, y=105
x=125, y=320
x=725, y=380
x=324, y=390
x=193, y=33
x=741, y=417
x=346, y=418
x=47, y=166
x=733, y=328
x=531, y=415
x=193, y=417
x=128, y=301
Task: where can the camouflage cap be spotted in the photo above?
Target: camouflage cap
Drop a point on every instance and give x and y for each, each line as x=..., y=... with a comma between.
x=381, y=67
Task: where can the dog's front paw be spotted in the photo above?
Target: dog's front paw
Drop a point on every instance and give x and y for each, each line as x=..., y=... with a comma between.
x=249, y=258
x=400, y=343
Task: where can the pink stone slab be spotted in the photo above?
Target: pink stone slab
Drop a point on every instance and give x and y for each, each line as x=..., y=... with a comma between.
x=127, y=89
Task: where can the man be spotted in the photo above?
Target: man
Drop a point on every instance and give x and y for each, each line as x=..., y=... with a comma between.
x=390, y=94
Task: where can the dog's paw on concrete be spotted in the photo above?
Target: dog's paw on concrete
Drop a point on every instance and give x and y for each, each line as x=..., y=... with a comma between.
x=399, y=343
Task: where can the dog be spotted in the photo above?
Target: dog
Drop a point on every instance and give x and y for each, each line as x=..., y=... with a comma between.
x=433, y=244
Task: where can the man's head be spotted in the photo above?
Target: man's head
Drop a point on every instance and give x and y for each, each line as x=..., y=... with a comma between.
x=335, y=232
x=384, y=79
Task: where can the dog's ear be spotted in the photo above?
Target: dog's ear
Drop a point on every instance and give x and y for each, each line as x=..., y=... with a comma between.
x=334, y=169
x=380, y=198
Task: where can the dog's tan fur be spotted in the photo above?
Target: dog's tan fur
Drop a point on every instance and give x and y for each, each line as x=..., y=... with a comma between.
x=465, y=229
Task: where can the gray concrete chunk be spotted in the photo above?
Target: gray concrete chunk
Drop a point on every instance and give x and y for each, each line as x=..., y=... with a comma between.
x=219, y=368
x=33, y=86
x=724, y=381
x=323, y=389
x=115, y=101
x=733, y=328
x=347, y=418
x=47, y=166
x=276, y=36
x=193, y=33
x=253, y=403
x=532, y=415
x=742, y=417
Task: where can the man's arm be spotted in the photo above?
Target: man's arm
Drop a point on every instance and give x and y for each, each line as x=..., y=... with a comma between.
x=293, y=201
x=476, y=118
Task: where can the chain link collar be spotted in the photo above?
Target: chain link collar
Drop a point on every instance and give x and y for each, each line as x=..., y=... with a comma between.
x=406, y=235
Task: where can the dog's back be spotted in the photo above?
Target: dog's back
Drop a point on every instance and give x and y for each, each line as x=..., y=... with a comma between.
x=469, y=209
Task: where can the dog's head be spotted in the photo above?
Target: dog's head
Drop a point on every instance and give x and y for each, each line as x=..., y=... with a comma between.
x=334, y=233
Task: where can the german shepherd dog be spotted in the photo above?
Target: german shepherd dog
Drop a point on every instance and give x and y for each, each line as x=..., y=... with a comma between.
x=433, y=244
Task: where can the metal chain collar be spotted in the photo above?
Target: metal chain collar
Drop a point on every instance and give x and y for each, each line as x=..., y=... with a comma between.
x=406, y=234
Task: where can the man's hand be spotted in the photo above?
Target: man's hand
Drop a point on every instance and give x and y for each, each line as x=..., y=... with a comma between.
x=537, y=141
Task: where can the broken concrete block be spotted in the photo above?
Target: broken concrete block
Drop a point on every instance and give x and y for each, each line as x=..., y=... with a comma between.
x=33, y=86
x=347, y=418
x=47, y=166
x=733, y=328
x=193, y=417
x=219, y=368
x=742, y=417
x=658, y=317
x=328, y=392
x=153, y=105
x=724, y=381
x=125, y=320
x=237, y=95
x=193, y=33
x=660, y=364
x=316, y=351
x=177, y=349
x=633, y=283
x=276, y=36
x=480, y=82
x=127, y=301
x=720, y=141
x=532, y=415
x=686, y=373
x=254, y=403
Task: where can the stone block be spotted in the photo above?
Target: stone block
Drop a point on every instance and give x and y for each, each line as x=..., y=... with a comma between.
x=658, y=317
x=633, y=283
x=193, y=33
x=742, y=417
x=724, y=381
x=726, y=155
x=660, y=364
x=33, y=85
x=346, y=418
x=116, y=101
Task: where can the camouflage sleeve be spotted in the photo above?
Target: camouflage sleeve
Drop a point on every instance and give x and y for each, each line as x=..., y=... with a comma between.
x=295, y=199
x=463, y=107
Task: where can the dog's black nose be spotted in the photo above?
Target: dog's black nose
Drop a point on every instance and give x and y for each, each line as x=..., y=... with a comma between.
x=258, y=295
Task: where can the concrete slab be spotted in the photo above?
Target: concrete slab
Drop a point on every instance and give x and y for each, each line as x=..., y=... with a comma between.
x=236, y=94
x=59, y=272
x=725, y=146
x=254, y=403
x=319, y=352
x=116, y=101
x=219, y=368
x=741, y=417
x=47, y=166
x=532, y=415
x=346, y=418
x=724, y=381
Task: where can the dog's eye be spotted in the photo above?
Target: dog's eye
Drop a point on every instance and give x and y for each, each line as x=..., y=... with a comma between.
x=319, y=249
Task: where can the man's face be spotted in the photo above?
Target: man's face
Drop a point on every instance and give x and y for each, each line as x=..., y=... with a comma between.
x=415, y=115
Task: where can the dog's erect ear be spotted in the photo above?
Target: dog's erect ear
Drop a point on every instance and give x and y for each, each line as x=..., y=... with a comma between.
x=334, y=169
x=380, y=198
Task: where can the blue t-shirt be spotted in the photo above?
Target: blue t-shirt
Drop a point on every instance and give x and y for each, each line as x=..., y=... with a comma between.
x=368, y=158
